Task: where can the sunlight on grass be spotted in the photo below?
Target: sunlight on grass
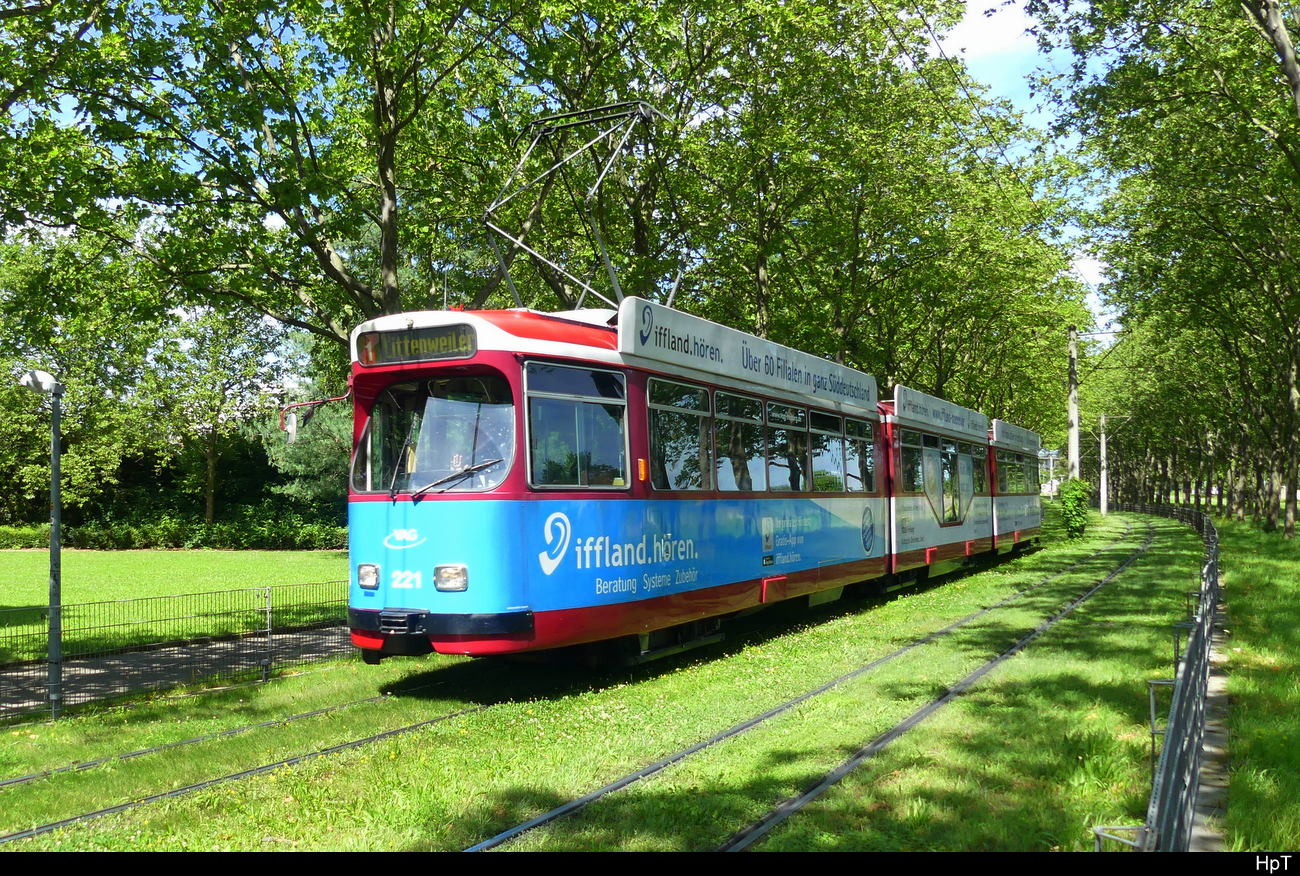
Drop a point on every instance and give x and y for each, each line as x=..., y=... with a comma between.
x=94, y=576
x=1262, y=584
x=1052, y=744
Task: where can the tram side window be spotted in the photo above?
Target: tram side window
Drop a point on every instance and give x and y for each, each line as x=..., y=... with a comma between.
x=859, y=457
x=911, y=470
x=1015, y=476
x=951, y=482
x=827, y=453
x=980, y=469
x=1031, y=474
x=1011, y=473
x=1005, y=461
x=577, y=427
x=787, y=448
x=679, y=436
x=738, y=443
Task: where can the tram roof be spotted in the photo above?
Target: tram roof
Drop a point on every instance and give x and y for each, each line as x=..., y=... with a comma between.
x=658, y=339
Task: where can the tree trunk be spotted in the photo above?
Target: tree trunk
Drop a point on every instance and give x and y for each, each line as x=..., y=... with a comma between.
x=210, y=493
x=1291, y=453
x=1267, y=16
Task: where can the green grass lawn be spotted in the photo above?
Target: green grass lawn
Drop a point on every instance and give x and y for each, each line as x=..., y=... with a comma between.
x=1042, y=750
x=1261, y=573
x=92, y=576
x=106, y=576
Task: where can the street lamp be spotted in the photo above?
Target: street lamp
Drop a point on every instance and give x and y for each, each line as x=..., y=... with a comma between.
x=45, y=384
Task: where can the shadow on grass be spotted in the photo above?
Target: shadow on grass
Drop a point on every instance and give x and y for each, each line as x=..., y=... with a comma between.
x=1031, y=764
x=1024, y=775
x=491, y=681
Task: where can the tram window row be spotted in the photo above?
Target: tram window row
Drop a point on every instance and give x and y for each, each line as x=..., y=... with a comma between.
x=746, y=444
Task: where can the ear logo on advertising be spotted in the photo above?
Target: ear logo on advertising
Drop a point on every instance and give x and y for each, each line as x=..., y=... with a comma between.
x=647, y=323
x=557, y=531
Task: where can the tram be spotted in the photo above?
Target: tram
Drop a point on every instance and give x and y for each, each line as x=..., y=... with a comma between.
x=525, y=481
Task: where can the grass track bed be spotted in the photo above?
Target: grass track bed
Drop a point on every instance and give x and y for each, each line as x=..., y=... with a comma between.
x=552, y=734
x=791, y=753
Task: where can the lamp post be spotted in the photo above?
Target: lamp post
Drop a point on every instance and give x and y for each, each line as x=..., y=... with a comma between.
x=45, y=384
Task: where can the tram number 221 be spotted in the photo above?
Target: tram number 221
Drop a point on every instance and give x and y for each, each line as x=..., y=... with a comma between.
x=404, y=580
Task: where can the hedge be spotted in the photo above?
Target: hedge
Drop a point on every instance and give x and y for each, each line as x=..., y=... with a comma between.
x=247, y=530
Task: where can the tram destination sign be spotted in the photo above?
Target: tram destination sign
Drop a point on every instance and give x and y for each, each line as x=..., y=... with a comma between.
x=652, y=331
x=416, y=345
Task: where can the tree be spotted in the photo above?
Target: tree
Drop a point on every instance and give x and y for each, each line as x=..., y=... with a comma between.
x=70, y=307
x=257, y=146
x=208, y=377
x=818, y=180
x=1201, y=224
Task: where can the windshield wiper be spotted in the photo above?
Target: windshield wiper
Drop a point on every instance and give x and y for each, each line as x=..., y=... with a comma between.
x=456, y=475
x=401, y=457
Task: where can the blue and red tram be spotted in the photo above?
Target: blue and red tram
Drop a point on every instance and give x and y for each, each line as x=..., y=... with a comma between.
x=525, y=481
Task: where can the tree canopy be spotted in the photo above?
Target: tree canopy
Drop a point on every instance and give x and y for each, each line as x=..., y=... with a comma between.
x=1190, y=110
x=818, y=175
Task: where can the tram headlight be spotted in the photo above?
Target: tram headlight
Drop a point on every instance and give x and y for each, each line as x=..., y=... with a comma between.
x=368, y=576
x=451, y=579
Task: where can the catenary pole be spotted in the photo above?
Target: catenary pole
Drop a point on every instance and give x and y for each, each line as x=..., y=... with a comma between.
x=1072, y=451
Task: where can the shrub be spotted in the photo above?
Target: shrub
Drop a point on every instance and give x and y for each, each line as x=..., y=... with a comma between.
x=1074, y=496
x=17, y=537
x=254, y=527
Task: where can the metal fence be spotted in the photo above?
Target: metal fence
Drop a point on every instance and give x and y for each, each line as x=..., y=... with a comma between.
x=1175, y=778
x=132, y=645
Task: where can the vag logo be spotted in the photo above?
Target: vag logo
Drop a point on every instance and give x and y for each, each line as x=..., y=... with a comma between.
x=558, y=532
x=401, y=539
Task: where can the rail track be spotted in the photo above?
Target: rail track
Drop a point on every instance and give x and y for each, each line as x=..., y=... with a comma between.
x=787, y=807
x=749, y=835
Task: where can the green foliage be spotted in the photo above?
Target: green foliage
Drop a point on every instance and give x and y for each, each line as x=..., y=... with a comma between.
x=268, y=526
x=1074, y=496
x=1198, y=138
x=313, y=470
x=819, y=180
x=18, y=537
x=69, y=306
x=264, y=527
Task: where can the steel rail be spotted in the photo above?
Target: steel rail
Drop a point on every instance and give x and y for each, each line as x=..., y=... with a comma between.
x=567, y=808
x=242, y=774
x=580, y=803
x=743, y=839
x=207, y=737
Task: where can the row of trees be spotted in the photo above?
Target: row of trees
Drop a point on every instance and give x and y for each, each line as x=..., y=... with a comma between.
x=1192, y=111
x=165, y=411
x=819, y=177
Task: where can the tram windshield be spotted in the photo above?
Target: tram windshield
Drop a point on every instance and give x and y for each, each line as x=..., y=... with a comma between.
x=446, y=434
